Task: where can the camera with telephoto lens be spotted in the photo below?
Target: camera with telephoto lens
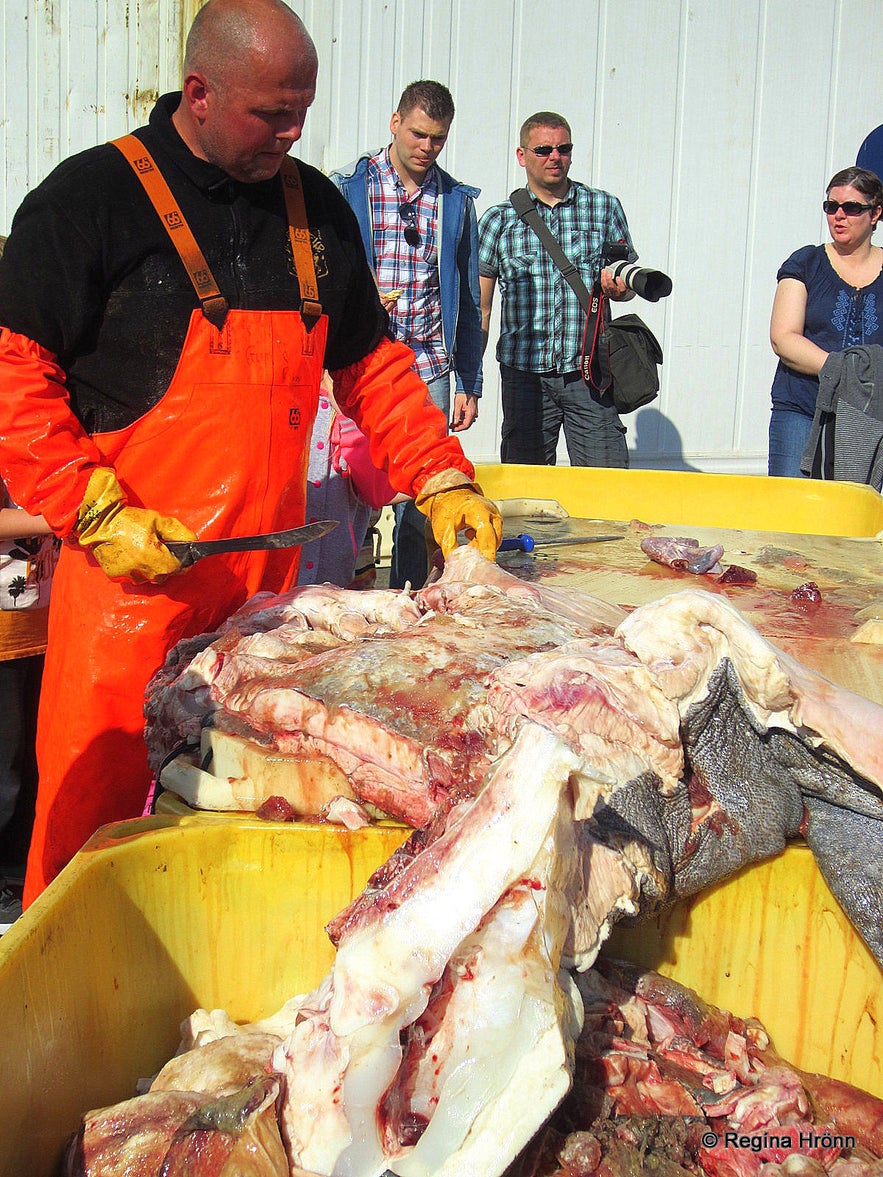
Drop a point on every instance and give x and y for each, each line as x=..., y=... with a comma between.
x=649, y=284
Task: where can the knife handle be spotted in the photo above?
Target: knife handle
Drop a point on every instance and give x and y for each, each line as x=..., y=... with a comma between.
x=517, y=543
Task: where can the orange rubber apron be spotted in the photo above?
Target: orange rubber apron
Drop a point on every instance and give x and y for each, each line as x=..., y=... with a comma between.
x=225, y=451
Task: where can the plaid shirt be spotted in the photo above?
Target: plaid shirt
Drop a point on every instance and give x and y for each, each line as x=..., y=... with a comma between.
x=542, y=321
x=416, y=318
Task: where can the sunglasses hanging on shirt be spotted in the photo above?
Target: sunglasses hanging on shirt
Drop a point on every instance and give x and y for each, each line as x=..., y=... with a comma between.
x=408, y=213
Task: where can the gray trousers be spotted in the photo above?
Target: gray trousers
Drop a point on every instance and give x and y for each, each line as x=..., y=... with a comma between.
x=537, y=405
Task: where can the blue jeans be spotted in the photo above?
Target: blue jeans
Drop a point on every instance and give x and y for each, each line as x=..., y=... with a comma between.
x=789, y=433
x=409, y=559
x=536, y=405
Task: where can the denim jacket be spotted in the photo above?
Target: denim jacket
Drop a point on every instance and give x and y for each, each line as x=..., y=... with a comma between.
x=457, y=264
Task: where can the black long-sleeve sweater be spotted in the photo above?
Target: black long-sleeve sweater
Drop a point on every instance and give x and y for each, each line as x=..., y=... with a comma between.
x=90, y=273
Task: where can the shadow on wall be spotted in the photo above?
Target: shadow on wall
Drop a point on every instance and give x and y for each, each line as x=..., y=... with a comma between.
x=656, y=443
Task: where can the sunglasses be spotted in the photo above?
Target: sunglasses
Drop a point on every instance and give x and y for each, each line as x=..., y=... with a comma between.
x=547, y=149
x=852, y=208
x=408, y=213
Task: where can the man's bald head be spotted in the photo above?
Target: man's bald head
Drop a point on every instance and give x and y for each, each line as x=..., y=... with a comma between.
x=226, y=34
x=249, y=78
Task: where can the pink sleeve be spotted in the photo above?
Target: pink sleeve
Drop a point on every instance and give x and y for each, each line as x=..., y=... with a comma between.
x=407, y=433
x=352, y=458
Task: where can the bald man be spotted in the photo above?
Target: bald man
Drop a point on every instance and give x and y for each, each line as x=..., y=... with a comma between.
x=167, y=305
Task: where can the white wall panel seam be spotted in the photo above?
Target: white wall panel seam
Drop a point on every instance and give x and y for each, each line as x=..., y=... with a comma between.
x=744, y=394
x=834, y=92
x=600, y=112
x=677, y=169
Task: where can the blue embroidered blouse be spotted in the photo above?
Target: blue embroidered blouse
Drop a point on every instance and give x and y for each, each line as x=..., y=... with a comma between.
x=837, y=316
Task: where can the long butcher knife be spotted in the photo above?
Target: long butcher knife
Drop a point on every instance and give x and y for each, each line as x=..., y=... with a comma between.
x=526, y=543
x=188, y=552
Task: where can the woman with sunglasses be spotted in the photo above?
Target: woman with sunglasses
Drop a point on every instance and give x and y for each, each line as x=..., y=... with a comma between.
x=829, y=297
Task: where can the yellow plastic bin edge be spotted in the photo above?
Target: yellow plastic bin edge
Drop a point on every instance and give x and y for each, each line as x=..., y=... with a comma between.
x=685, y=498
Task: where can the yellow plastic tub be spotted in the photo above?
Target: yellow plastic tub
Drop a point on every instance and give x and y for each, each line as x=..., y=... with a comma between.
x=797, y=505
x=153, y=919
x=157, y=917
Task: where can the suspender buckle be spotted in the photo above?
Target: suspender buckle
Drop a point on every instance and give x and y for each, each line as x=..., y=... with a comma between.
x=310, y=312
x=215, y=310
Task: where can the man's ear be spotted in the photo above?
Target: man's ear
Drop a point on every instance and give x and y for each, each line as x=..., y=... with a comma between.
x=196, y=91
x=519, y=155
x=395, y=122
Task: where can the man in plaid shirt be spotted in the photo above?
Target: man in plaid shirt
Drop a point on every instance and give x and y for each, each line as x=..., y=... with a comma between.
x=420, y=233
x=542, y=323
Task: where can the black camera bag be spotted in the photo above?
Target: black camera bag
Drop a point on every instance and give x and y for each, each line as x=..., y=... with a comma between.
x=624, y=362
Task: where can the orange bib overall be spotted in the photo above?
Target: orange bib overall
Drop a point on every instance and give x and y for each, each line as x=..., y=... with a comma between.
x=224, y=451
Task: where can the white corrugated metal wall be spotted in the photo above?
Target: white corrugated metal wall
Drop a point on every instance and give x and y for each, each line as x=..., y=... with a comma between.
x=76, y=72
x=717, y=122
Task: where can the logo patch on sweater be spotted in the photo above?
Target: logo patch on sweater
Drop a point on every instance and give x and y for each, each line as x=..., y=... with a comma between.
x=319, y=259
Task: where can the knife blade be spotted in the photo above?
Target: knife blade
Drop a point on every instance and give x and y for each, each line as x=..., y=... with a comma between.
x=188, y=552
x=526, y=543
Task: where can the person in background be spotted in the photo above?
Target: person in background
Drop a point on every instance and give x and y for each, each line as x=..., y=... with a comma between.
x=542, y=322
x=420, y=233
x=164, y=383
x=828, y=298
x=28, y=553
x=342, y=484
x=368, y=556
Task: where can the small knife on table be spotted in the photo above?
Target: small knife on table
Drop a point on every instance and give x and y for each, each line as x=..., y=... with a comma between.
x=526, y=543
x=189, y=551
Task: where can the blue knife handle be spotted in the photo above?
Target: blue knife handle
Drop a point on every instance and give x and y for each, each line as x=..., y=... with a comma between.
x=517, y=543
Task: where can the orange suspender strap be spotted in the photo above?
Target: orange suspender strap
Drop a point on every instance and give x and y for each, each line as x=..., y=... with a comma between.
x=214, y=305
x=301, y=247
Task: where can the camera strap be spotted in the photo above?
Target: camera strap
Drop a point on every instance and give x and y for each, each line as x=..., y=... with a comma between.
x=523, y=203
x=596, y=356
x=595, y=371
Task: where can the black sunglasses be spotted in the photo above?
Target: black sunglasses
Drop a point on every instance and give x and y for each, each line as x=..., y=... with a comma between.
x=547, y=149
x=409, y=215
x=852, y=208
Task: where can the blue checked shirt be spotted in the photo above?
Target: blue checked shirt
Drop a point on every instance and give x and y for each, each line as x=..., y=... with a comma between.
x=416, y=318
x=542, y=322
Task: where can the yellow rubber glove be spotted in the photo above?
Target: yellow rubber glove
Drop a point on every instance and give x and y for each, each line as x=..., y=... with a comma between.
x=452, y=503
x=126, y=541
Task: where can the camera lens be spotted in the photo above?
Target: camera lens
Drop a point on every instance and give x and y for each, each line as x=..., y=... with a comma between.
x=649, y=284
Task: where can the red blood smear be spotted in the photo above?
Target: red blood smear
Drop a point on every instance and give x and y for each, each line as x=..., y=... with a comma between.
x=807, y=596
x=736, y=575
